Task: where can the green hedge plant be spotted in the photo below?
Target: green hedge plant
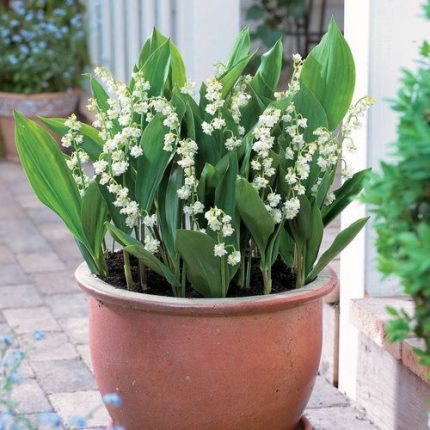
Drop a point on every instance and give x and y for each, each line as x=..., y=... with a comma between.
x=198, y=187
x=400, y=195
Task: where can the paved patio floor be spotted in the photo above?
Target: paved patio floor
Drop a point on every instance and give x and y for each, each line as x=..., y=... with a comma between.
x=37, y=292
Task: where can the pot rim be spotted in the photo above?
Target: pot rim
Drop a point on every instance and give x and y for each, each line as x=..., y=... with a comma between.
x=21, y=96
x=107, y=294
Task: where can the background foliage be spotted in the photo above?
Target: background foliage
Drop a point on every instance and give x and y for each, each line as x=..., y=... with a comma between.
x=401, y=195
x=42, y=45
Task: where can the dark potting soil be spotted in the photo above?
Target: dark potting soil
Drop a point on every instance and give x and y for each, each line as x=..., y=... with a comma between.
x=282, y=279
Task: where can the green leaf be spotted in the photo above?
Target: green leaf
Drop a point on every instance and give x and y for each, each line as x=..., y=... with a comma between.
x=301, y=225
x=329, y=72
x=230, y=77
x=266, y=79
x=254, y=214
x=286, y=247
x=309, y=107
x=156, y=69
x=94, y=214
x=342, y=240
x=153, y=263
x=45, y=167
x=153, y=163
x=51, y=180
x=240, y=48
x=170, y=208
x=177, y=67
x=99, y=94
x=203, y=268
x=177, y=71
x=344, y=195
x=255, y=13
x=314, y=242
x=226, y=188
x=92, y=143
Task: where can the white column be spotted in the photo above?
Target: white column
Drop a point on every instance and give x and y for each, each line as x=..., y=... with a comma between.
x=205, y=33
x=352, y=261
x=384, y=36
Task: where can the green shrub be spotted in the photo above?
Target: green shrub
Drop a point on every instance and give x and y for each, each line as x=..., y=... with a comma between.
x=42, y=46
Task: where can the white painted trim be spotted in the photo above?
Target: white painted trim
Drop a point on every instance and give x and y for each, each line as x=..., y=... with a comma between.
x=206, y=31
x=352, y=261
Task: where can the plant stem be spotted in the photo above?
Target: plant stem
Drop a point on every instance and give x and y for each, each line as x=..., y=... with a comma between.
x=223, y=279
x=127, y=271
x=298, y=265
x=267, y=279
x=248, y=270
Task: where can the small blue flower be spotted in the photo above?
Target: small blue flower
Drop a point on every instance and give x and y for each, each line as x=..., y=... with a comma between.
x=14, y=377
x=50, y=418
x=78, y=422
x=113, y=399
x=6, y=340
x=38, y=335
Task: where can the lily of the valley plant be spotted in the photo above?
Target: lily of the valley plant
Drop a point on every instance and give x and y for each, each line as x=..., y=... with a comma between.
x=197, y=188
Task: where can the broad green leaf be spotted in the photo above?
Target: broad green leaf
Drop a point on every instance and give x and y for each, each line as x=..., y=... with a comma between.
x=226, y=188
x=329, y=72
x=301, y=225
x=153, y=163
x=190, y=123
x=170, y=208
x=230, y=77
x=310, y=108
x=51, y=180
x=45, y=167
x=344, y=195
x=94, y=214
x=99, y=94
x=266, y=79
x=156, y=69
x=92, y=143
x=326, y=183
x=205, y=179
x=342, y=240
x=314, y=241
x=177, y=67
x=254, y=214
x=240, y=48
x=153, y=263
x=286, y=248
x=203, y=268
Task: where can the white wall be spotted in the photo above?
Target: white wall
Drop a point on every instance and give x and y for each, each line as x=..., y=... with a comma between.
x=206, y=31
x=203, y=30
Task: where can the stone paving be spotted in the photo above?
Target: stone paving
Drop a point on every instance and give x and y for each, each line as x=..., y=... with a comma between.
x=38, y=292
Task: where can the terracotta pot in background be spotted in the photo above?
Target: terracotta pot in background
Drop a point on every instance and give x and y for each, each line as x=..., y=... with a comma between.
x=189, y=364
x=61, y=105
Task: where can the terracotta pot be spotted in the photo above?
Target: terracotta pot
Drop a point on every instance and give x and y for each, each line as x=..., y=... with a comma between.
x=214, y=364
x=59, y=105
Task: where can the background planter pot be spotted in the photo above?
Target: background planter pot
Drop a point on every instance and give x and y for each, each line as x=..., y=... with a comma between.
x=61, y=105
x=190, y=364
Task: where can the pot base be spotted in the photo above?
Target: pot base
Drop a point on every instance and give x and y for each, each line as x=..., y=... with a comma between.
x=304, y=424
